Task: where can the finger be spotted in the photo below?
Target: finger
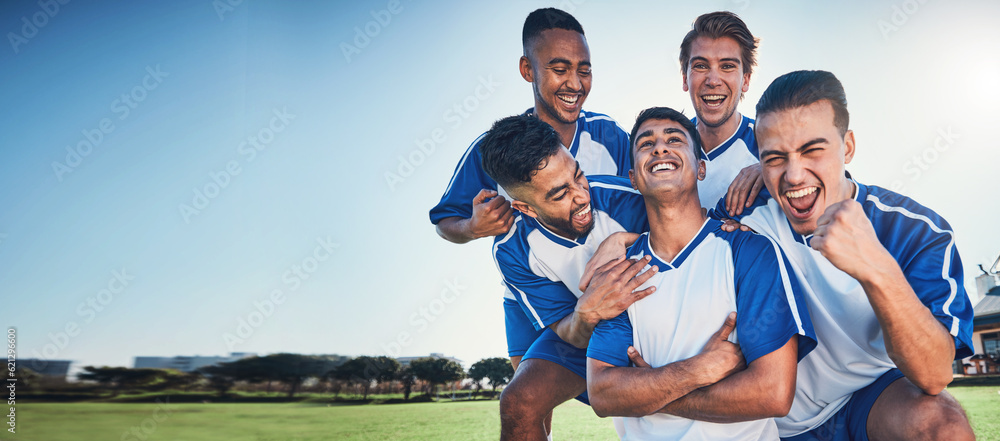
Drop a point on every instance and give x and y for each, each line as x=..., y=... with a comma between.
x=727, y=327
x=732, y=193
x=638, y=280
x=758, y=185
x=505, y=212
x=743, y=196
x=641, y=294
x=497, y=203
x=635, y=267
x=483, y=195
x=636, y=359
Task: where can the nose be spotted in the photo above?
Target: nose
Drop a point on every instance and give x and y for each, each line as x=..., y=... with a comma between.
x=713, y=79
x=660, y=148
x=575, y=82
x=795, y=171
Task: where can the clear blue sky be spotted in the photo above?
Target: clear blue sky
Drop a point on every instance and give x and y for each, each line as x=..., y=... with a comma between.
x=349, y=118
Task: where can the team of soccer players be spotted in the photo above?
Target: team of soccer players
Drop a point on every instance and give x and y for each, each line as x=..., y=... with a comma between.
x=836, y=318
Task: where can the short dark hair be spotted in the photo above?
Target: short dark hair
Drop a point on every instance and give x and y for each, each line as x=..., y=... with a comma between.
x=667, y=114
x=802, y=88
x=516, y=148
x=544, y=19
x=720, y=24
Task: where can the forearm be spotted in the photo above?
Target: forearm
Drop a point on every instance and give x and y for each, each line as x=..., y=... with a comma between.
x=455, y=229
x=636, y=391
x=919, y=345
x=764, y=390
x=575, y=329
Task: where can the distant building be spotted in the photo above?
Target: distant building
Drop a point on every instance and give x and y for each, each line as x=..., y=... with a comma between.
x=405, y=361
x=51, y=368
x=186, y=363
x=986, y=326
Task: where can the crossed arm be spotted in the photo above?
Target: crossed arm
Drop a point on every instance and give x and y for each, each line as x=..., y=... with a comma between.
x=709, y=386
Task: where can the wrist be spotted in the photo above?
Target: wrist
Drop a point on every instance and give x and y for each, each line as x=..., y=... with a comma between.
x=882, y=268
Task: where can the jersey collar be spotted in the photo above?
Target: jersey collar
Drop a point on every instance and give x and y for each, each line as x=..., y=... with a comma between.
x=718, y=151
x=644, y=248
x=555, y=238
x=575, y=145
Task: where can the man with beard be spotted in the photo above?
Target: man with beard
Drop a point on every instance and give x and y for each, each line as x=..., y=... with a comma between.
x=881, y=274
x=694, y=386
x=556, y=62
x=564, y=217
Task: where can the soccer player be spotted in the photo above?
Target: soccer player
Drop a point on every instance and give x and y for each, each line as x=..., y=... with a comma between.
x=705, y=274
x=882, y=277
x=556, y=62
x=717, y=58
x=564, y=217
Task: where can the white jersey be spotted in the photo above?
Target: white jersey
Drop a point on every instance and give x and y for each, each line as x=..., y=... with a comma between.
x=851, y=352
x=542, y=270
x=724, y=162
x=716, y=273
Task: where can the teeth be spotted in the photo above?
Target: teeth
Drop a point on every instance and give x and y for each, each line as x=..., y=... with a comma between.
x=583, y=212
x=664, y=166
x=800, y=193
x=569, y=99
x=713, y=97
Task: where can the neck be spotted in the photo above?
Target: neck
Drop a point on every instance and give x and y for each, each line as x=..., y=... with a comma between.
x=673, y=222
x=712, y=137
x=566, y=131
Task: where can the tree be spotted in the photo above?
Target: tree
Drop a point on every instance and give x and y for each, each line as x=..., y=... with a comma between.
x=498, y=370
x=406, y=378
x=118, y=378
x=221, y=377
x=292, y=369
x=477, y=373
x=437, y=370
x=365, y=370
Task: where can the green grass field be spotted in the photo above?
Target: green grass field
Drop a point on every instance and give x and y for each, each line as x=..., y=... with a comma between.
x=461, y=420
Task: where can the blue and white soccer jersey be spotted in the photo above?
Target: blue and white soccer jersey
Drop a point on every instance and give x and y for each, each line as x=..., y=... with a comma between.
x=851, y=352
x=716, y=273
x=600, y=145
x=724, y=162
x=543, y=269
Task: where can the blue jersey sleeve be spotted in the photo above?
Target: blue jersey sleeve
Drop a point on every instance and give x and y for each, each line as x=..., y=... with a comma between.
x=621, y=150
x=923, y=244
x=467, y=181
x=543, y=300
x=616, y=197
x=936, y=276
x=770, y=306
x=610, y=341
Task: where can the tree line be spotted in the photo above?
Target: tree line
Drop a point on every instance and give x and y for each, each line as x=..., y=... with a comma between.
x=291, y=371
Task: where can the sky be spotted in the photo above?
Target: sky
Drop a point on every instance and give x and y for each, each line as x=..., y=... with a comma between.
x=206, y=177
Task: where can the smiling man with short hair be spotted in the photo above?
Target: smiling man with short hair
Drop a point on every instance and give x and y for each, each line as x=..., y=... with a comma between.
x=881, y=275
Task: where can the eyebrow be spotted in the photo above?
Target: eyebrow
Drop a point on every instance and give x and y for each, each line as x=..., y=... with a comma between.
x=565, y=61
x=731, y=60
x=556, y=190
x=666, y=131
x=801, y=148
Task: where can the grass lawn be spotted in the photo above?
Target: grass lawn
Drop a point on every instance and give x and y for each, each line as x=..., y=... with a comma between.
x=462, y=420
